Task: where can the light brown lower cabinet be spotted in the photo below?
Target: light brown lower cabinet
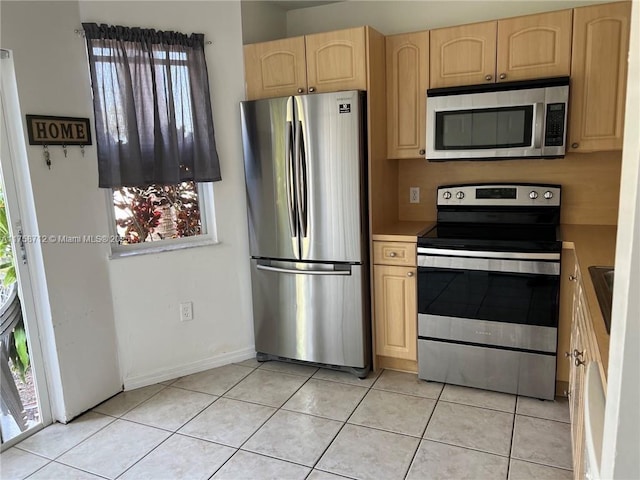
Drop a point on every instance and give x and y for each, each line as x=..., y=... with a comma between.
x=583, y=344
x=395, y=308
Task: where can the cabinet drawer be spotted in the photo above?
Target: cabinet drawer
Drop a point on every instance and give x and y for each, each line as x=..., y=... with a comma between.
x=394, y=253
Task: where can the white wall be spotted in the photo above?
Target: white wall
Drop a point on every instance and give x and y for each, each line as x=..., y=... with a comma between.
x=262, y=21
x=399, y=16
x=621, y=442
x=153, y=344
x=51, y=72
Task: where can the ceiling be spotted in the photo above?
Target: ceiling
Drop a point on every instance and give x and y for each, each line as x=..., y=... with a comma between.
x=295, y=4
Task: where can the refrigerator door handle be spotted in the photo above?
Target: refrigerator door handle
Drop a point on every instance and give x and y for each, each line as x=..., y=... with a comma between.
x=295, y=271
x=301, y=183
x=290, y=176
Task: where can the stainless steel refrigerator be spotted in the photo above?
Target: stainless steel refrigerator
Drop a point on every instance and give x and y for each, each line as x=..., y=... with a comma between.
x=305, y=171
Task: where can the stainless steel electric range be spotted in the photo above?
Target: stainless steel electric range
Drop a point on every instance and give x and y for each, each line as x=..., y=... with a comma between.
x=488, y=287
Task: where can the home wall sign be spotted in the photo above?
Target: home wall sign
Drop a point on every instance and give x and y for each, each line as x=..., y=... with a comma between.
x=48, y=130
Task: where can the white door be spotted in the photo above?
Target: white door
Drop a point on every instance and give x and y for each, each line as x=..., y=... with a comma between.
x=25, y=406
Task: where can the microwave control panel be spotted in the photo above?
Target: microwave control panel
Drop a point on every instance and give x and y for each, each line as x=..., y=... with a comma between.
x=554, y=132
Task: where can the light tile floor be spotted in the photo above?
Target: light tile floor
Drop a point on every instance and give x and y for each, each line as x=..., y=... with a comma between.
x=283, y=421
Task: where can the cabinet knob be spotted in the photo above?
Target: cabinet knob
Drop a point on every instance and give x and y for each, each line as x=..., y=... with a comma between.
x=392, y=254
x=312, y=89
x=576, y=353
x=422, y=151
x=572, y=278
x=568, y=355
x=575, y=145
x=301, y=90
x=503, y=76
x=409, y=274
x=488, y=78
x=579, y=362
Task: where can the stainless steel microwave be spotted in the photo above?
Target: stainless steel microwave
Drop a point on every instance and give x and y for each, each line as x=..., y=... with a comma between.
x=526, y=119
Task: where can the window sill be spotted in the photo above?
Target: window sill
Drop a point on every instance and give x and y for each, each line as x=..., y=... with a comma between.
x=137, y=250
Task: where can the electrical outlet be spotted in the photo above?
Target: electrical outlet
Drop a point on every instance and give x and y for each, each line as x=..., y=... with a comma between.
x=414, y=194
x=186, y=311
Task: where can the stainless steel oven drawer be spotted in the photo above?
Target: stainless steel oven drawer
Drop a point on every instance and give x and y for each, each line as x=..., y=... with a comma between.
x=507, y=371
x=513, y=335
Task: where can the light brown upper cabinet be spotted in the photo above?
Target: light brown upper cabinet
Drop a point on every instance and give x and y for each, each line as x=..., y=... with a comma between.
x=464, y=55
x=534, y=46
x=337, y=61
x=407, y=82
x=528, y=47
x=275, y=69
x=323, y=62
x=598, y=77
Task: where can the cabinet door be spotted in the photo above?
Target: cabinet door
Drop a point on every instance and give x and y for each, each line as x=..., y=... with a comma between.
x=336, y=61
x=275, y=69
x=567, y=289
x=407, y=83
x=598, y=76
x=534, y=46
x=464, y=55
x=576, y=399
x=396, y=311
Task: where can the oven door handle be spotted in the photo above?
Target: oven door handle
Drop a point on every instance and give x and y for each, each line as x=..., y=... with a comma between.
x=531, y=267
x=485, y=254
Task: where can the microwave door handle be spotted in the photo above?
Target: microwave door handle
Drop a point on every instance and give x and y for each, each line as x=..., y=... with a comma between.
x=539, y=131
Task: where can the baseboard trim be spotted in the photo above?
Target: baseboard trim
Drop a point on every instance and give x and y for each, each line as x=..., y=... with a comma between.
x=189, y=368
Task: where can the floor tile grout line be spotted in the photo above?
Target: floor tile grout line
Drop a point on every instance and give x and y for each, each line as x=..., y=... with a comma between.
x=324, y=451
x=64, y=465
x=144, y=456
x=513, y=434
x=164, y=387
x=36, y=470
x=216, y=398
x=331, y=473
x=261, y=425
x=406, y=474
x=401, y=393
x=77, y=444
x=544, y=418
x=468, y=448
x=476, y=406
x=542, y=464
x=346, y=422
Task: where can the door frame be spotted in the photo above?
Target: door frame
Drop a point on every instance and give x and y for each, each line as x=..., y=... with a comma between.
x=21, y=215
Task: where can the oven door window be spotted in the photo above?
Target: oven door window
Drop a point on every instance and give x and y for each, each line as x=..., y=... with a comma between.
x=524, y=298
x=484, y=128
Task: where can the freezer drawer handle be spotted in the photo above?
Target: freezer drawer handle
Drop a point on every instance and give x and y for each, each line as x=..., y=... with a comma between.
x=303, y=272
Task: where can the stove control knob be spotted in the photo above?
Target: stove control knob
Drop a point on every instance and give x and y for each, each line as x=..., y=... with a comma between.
x=460, y=195
x=533, y=195
x=446, y=195
x=548, y=195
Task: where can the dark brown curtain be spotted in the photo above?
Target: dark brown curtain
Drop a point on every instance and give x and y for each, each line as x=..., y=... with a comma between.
x=152, y=107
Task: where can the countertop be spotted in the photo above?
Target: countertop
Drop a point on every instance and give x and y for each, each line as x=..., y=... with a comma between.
x=594, y=245
x=401, y=231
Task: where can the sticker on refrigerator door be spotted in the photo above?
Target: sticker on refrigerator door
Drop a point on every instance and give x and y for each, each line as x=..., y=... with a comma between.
x=344, y=107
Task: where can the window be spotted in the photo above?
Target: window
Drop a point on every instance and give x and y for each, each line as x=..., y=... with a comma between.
x=156, y=212
x=154, y=130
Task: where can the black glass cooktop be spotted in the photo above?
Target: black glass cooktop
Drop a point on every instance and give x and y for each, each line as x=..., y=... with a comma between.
x=526, y=238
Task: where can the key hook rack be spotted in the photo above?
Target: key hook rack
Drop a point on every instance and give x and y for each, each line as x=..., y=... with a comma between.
x=47, y=130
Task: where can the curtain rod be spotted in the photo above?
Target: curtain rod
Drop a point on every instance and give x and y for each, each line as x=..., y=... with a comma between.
x=80, y=33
